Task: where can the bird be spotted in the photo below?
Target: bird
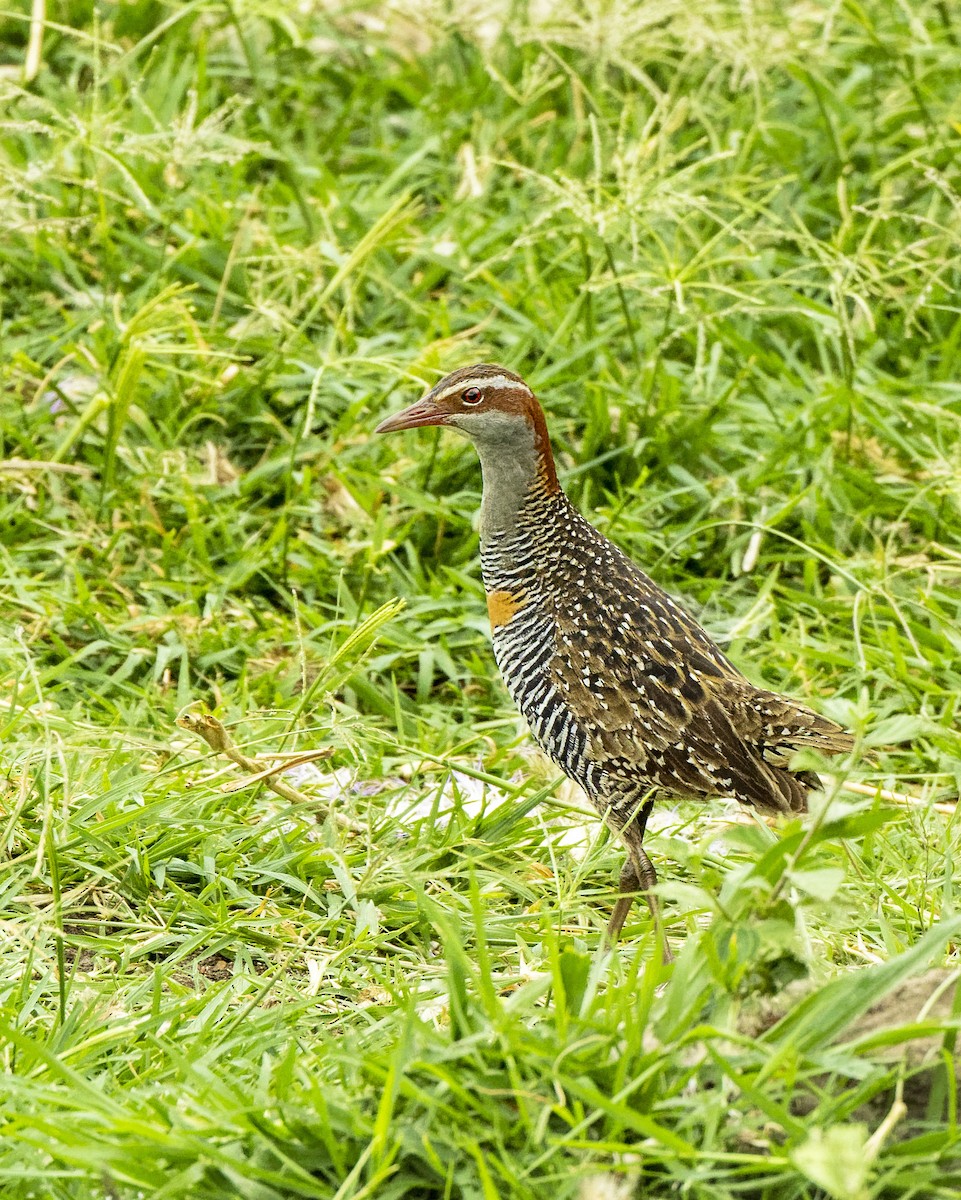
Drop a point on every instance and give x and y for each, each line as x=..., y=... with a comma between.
x=619, y=685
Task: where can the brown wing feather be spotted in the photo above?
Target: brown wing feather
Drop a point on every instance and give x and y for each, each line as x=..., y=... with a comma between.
x=659, y=700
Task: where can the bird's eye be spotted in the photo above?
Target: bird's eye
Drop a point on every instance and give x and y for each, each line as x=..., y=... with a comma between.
x=472, y=396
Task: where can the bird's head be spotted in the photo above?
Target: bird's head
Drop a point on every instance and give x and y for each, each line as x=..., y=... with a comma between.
x=490, y=405
x=484, y=402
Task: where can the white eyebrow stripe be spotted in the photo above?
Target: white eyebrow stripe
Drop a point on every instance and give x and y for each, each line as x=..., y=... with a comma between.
x=498, y=381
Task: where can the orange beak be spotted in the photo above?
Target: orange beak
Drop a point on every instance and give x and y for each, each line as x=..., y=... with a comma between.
x=424, y=412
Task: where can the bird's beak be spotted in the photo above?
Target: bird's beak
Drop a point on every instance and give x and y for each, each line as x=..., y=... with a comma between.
x=424, y=412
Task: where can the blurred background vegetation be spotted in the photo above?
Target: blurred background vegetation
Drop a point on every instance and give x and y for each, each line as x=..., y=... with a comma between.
x=721, y=240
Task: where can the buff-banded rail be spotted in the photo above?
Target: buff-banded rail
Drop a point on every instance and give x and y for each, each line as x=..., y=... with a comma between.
x=620, y=686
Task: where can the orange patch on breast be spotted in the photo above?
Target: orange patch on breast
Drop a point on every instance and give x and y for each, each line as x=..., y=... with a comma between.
x=501, y=607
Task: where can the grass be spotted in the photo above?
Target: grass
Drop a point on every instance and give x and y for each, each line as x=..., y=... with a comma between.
x=722, y=241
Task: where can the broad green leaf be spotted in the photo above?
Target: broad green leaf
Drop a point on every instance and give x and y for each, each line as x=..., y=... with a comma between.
x=821, y=883
x=837, y=1160
x=820, y=1017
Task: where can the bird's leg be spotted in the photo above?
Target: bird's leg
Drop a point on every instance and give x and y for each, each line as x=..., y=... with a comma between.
x=637, y=875
x=636, y=870
x=628, y=884
x=644, y=870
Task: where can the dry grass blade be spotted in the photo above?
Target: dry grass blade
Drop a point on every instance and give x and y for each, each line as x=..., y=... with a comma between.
x=206, y=726
x=26, y=465
x=903, y=798
x=278, y=768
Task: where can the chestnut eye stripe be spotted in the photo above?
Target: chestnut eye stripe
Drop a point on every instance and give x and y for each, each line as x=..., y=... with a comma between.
x=489, y=382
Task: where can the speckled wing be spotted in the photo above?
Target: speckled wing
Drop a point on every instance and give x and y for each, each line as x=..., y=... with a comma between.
x=781, y=726
x=660, y=703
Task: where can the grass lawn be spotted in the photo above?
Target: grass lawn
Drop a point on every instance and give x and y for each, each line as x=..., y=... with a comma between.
x=723, y=242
